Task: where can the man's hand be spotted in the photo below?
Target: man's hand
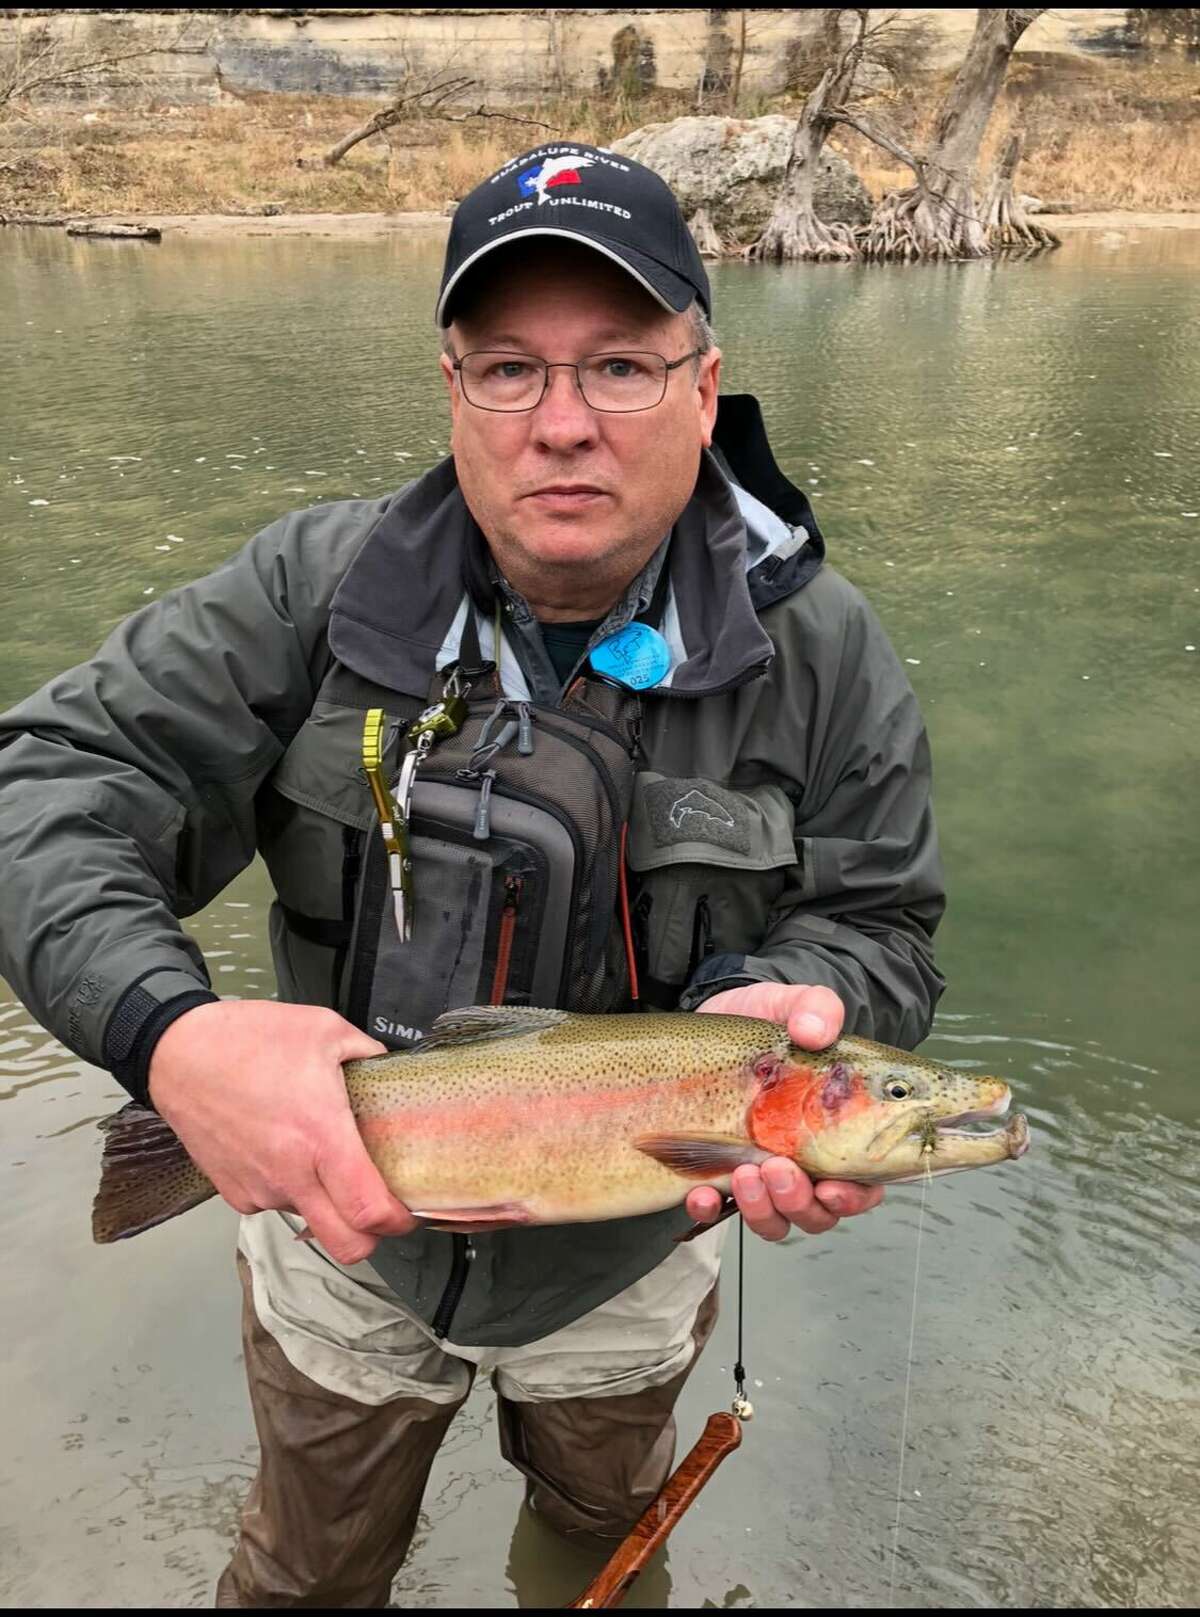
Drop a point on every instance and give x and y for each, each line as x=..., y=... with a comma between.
x=254, y=1090
x=779, y=1195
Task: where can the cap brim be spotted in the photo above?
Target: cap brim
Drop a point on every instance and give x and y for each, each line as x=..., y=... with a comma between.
x=671, y=291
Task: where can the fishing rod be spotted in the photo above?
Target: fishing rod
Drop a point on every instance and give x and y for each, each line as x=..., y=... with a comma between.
x=721, y=1435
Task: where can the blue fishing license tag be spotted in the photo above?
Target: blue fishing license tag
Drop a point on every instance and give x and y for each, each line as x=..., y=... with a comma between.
x=636, y=656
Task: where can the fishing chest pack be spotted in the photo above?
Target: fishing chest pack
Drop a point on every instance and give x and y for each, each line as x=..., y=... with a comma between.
x=499, y=876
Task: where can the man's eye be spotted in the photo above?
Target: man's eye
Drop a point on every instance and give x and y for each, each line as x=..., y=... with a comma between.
x=508, y=370
x=620, y=368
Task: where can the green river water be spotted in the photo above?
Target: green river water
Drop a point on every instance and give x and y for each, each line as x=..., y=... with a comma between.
x=1004, y=458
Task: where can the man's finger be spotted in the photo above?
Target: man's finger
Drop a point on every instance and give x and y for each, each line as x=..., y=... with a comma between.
x=846, y=1199
x=704, y=1204
x=354, y=1045
x=816, y=1020
x=323, y=1221
x=791, y=1191
x=757, y=1207
x=355, y=1187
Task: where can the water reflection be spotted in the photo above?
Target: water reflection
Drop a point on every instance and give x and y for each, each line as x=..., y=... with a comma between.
x=1004, y=460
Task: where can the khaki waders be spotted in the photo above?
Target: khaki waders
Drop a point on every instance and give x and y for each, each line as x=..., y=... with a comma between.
x=332, y=1511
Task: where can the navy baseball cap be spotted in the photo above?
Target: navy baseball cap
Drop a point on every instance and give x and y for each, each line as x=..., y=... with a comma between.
x=585, y=194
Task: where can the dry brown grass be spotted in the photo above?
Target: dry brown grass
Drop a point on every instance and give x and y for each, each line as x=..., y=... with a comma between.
x=1097, y=134
x=237, y=156
x=1109, y=135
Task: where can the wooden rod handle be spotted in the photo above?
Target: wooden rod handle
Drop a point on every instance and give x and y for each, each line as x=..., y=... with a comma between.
x=721, y=1435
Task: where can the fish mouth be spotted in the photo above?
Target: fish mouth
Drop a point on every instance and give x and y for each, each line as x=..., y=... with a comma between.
x=1014, y=1133
x=958, y=1126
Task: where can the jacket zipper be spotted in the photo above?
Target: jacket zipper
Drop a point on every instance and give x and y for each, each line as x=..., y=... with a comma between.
x=351, y=862
x=504, y=941
x=702, y=940
x=460, y=1264
x=753, y=673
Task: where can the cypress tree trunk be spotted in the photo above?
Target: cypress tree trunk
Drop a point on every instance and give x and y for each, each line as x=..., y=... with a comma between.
x=1005, y=222
x=793, y=230
x=939, y=216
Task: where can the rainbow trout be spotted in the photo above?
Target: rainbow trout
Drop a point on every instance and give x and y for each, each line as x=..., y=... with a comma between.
x=506, y=1116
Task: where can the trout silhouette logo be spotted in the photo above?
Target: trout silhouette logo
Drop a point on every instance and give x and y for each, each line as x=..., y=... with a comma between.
x=695, y=802
x=554, y=171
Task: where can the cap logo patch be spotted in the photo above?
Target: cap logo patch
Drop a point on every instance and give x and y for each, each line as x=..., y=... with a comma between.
x=554, y=171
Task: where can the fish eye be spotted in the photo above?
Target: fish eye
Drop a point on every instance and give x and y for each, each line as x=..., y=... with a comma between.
x=897, y=1088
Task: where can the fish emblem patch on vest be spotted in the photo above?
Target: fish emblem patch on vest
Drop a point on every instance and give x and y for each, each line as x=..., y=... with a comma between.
x=697, y=811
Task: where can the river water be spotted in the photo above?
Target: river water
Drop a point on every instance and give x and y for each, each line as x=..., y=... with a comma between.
x=1004, y=458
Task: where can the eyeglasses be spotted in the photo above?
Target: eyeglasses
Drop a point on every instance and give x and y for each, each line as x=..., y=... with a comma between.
x=493, y=379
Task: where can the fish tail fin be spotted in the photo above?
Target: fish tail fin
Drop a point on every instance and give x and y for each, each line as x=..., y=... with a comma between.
x=146, y=1176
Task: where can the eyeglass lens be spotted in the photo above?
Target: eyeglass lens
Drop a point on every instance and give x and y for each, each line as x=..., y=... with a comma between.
x=503, y=381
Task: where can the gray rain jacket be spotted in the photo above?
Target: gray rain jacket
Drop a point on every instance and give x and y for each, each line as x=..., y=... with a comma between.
x=226, y=718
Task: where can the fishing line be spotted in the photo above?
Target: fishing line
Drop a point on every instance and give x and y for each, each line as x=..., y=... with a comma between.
x=742, y=1407
x=912, y=1331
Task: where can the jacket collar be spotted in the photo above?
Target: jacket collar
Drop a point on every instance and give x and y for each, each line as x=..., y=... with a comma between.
x=730, y=556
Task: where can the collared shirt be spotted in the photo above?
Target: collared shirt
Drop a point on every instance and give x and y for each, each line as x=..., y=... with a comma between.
x=525, y=634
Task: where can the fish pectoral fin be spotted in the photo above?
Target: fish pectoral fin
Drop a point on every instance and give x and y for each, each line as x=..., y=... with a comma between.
x=475, y=1220
x=470, y=1023
x=889, y=1137
x=700, y=1156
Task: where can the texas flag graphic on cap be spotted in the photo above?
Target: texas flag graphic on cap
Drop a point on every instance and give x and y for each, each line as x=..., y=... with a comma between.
x=554, y=171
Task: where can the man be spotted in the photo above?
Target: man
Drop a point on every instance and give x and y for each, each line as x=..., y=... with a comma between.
x=782, y=856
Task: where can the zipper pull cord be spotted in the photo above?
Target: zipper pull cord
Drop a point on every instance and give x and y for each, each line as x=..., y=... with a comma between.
x=485, y=731
x=525, y=737
x=483, y=817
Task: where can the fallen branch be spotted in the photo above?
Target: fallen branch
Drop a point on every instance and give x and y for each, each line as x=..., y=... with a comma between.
x=433, y=94
x=482, y=112
x=399, y=110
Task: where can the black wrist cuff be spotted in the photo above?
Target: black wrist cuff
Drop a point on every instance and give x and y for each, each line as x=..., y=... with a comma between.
x=137, y=1024
x=719, y=972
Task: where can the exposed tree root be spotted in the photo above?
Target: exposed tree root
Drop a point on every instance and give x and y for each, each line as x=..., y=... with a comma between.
x=792, y=233
x=919, y=224
x=1005, y=222
x=705, y=234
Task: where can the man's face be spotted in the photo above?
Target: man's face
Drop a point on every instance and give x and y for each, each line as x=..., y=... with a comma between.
x=573, y=501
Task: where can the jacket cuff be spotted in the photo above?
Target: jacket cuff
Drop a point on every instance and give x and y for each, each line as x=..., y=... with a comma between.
x=719, y=972
x=142, y=1015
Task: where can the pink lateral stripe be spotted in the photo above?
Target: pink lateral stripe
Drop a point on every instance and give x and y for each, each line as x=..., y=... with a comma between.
x=501, y=1114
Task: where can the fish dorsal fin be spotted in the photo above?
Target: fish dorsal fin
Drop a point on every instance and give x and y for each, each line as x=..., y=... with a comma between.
x=777, y=1111
x=471, y=1023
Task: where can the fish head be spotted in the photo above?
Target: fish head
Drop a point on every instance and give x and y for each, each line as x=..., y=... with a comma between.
x=865, y=1112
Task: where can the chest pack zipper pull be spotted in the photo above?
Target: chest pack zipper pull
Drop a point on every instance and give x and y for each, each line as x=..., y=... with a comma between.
x=504, y=940
x=483, y=814
x=485, y=730
x=525, y=725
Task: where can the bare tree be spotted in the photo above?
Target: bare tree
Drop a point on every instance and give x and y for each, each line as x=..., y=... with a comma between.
x=793, y=230
x=938, y=216
x=38, y=60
